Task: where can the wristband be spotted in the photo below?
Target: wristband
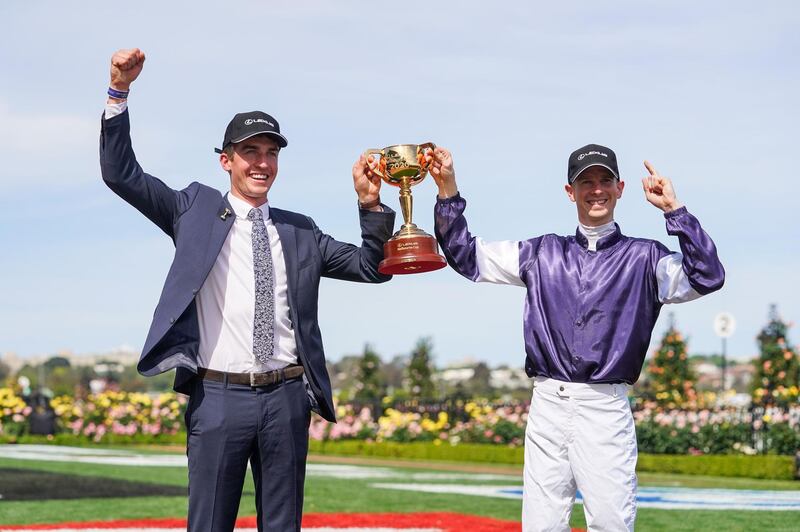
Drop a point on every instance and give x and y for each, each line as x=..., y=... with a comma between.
x=371, y=204
x=119, y=95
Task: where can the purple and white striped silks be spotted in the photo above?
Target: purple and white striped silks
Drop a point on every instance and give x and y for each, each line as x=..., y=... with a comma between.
x=588, y=315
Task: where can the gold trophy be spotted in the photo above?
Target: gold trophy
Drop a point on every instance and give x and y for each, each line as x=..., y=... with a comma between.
x=410, y=250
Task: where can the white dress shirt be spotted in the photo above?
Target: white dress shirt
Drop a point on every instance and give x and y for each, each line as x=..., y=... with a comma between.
x=226, y=301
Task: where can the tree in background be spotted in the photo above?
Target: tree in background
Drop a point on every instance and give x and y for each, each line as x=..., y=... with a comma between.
x=5, y=372
x=420, y=384
x=370, y=386
x=777, y=371
x=480, y=385
x=394, y=374
x=344, y=373
x=56, y=361
x=670, y=378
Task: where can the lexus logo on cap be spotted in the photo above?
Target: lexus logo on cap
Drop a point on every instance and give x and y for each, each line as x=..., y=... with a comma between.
x=582, y=155
x=250, y=121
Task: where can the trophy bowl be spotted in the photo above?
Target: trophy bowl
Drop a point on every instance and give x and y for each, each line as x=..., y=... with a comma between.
x=410, y=250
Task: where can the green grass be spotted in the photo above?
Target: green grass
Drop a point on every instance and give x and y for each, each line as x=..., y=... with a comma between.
x=325, y=494
x=671, y=480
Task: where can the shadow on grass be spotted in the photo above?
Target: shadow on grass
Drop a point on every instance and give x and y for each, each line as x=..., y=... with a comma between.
x=32, y=485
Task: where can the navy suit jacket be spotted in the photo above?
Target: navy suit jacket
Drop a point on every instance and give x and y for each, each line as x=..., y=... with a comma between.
x=198, y=219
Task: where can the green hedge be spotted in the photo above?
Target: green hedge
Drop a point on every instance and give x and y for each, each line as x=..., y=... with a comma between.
x=767, y=466
x=773, y=467
x=463, y=452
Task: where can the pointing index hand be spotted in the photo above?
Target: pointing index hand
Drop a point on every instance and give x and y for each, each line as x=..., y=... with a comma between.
x=658, y=190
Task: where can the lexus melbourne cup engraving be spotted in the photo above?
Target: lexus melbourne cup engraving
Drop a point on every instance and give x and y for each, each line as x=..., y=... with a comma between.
x=410, y=250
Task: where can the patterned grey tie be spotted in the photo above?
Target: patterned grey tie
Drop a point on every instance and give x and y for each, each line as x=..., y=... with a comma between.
x=263, y=324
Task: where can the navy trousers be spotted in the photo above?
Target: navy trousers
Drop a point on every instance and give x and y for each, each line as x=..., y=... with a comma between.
x=229, y=425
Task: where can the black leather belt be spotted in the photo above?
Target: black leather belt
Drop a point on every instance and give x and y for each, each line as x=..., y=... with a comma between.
x=267, y=378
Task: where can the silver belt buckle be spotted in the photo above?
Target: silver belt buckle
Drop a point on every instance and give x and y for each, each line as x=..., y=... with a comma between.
x=252, y=380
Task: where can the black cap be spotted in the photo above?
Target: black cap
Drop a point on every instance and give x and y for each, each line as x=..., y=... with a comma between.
x=246, y=125
x=588, y=156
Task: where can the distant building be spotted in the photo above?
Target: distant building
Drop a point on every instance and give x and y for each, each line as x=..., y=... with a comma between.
x=12, y=361
x=738, y=376
x=709, y=376
x=118, y=357
x=455, y=375
x=499, y=378
x=509, y=378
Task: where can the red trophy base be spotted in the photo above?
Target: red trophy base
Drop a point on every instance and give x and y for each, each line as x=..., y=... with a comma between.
x=417, y=253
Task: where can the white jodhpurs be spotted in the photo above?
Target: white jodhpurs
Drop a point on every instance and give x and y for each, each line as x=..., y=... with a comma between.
x=579, y=436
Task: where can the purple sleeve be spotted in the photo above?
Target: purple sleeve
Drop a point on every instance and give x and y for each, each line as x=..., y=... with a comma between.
x=700, y=261
x=454, y=237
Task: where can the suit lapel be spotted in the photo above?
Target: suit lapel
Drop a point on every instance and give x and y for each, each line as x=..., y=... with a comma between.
x=220, y=227
x=289, y=244
x=288, y=235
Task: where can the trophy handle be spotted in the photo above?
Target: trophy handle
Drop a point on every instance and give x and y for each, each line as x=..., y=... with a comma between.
x=423, y=165
x=374, y=151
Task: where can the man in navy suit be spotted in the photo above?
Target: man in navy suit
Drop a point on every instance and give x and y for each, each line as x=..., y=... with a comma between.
x=237, y=317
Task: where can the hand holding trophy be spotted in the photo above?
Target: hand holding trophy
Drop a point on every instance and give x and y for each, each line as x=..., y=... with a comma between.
x=410, y=250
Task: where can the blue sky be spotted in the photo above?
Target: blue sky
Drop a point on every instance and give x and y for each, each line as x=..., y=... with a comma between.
x=706, y=91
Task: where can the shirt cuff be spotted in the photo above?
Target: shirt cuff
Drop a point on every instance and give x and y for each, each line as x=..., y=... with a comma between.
x=114, y=109
x=374, y=209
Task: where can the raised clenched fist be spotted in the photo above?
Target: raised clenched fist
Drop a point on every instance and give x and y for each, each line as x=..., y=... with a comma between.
x=126, y=65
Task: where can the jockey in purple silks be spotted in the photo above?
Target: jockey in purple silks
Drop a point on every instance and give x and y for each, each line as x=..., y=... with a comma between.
x=592, y=300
